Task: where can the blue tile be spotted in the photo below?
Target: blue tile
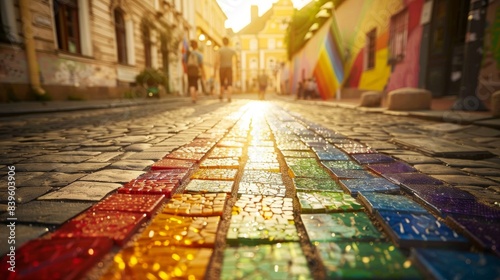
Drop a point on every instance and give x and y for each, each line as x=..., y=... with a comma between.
x=454, y=264
x=419, y=230
x=388, y=202
x=354, y=186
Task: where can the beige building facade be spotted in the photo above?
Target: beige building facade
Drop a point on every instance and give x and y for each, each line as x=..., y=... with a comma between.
x=210, y=30
x=86, y=49
x=261, y=45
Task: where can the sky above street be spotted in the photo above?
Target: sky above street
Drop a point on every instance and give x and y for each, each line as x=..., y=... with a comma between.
x=238, y=11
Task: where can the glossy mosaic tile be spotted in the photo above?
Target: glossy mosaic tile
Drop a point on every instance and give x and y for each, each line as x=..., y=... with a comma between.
x=483, y=231
x=268, y=166
x=215, y=174
x=220, y=163
x=172, y=175
x=391, y=167
x=263, y=157
x=372, y=158
x=210, y=186
x=196, y=205
x=455, y=264
x=262, y=219
x=413, y=178
x=420, y=230
x=366, y=260
x=355, y=148
x=168, y=163
x=447, y=206
x=167, y=262
x=68, y=258
x=261, y=143
x=305, y=167
x=352, y=174
x=292, y=146
x=274, y=261
x=310, y=184
x=232, y=143
x=328, y=155
x=260, y=150
x=341, y=164
x=259, y=176
x=141, y=186
x=184, y=155
x=174, y=230
x=146, y=204
x=298, y=154
x=327, y=202
x=438, y=190
x=261, y=189
x=387, y=202
x=221, y=152
x=351, y=226
x=118, y=226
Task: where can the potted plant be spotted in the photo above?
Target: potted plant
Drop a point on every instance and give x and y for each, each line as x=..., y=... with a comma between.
x=151, y=79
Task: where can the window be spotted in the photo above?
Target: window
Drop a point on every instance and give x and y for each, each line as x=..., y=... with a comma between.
x=371, y=38
x=146, y=37
x=121, y=38
x=253, y=63
x=271, y=43
x=67, y=25
x=8, y=27
x=4, y=27
x=398, y=35
x=253, y=44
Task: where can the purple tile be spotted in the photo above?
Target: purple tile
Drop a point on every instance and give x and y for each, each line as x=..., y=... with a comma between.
x=391, y=167
x=372, y=158
x=483, y=231
x=447, y=206
x=412, y=178
x=439, y=191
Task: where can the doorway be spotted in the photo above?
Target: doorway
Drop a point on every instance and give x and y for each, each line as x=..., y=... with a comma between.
x=445, y=54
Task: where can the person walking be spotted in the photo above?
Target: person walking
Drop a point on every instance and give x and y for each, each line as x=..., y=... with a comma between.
x=194, y=69
x=224, y=61
x=263, y=80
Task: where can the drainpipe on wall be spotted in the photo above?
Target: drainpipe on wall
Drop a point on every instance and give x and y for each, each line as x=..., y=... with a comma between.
x=29, y=42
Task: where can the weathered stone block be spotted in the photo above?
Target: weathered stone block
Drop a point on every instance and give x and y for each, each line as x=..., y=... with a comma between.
x=409, y=99
x=371, y=99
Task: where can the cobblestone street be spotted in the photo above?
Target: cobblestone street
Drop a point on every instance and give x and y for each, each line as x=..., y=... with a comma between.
x=276, y=189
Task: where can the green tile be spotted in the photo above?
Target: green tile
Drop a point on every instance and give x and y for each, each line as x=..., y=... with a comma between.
x=365, y=260
x=351, y=226
x=325, y=202
x=310, y=184
x=276, y=261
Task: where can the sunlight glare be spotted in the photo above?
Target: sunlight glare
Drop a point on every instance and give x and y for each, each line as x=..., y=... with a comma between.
x=256, y=108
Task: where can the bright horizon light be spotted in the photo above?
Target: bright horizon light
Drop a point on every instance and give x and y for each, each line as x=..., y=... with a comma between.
x=238, y=11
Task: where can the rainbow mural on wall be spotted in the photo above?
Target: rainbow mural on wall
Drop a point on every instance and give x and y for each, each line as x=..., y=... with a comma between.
x=321, y=59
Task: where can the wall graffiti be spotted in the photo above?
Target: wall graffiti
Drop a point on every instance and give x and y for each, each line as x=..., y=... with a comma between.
x=54, y=70
x=59, y=71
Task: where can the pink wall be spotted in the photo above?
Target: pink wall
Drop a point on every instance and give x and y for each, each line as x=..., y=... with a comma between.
x=406, y=72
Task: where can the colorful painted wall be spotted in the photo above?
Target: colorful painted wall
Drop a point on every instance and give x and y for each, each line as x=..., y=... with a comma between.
x=355, y=19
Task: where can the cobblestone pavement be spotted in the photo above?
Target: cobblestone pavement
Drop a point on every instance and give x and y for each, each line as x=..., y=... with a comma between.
x=247, y=190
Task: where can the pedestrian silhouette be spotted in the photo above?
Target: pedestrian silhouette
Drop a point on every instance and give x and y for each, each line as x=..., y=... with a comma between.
x=224, y=60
